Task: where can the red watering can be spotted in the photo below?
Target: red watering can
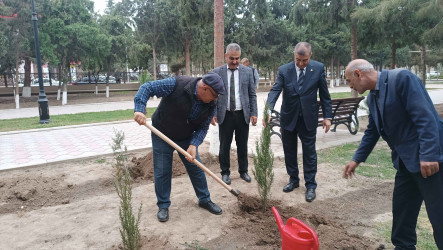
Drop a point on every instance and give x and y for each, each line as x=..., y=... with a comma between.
x=295, y=235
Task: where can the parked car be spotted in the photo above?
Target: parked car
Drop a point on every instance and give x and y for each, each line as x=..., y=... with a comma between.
x=46, y=82
x=101, y=80
x=133, y=76
x=433, y=73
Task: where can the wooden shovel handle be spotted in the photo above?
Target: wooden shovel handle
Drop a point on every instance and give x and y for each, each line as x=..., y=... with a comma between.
x=183, y=152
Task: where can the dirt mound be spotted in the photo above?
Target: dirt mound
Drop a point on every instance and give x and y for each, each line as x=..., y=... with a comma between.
x=143, y=167
x=29, y=193
x=260, y=226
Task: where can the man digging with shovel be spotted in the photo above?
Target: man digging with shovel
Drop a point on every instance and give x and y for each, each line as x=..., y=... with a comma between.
x=183, y=115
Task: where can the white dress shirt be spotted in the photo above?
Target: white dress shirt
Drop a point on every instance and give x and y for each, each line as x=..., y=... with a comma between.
x=238, y=105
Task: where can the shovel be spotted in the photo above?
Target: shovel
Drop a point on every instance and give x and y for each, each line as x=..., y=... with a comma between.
x=186, y=154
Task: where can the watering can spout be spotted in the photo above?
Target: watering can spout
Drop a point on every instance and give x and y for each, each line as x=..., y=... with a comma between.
x=278, y=219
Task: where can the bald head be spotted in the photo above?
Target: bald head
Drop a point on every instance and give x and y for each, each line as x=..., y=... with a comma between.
x=245, y=61
x=360, y=64
x=361, y=75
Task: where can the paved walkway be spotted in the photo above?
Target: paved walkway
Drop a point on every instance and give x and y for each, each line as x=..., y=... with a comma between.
x=41, y=146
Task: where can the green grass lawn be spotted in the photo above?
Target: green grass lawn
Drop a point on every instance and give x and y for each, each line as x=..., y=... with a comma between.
x=378, y=164
x=67, y=120
x=425, y=238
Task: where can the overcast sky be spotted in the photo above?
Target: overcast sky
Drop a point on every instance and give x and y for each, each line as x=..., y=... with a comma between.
x=100, y=5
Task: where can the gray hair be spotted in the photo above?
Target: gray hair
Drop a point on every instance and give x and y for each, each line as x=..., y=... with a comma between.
x=361, y=65
x=303, y=48
x=233, y=47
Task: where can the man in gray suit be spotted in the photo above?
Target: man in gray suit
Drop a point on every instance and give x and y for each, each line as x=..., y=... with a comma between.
x=235, y=109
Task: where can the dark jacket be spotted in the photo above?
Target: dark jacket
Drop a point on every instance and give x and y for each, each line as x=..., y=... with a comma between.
x=172, y=114
x=408, y=121
x=305, y=101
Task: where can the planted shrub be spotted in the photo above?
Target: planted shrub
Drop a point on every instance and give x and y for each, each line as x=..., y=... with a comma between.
x=264, y=162
x=129, y=231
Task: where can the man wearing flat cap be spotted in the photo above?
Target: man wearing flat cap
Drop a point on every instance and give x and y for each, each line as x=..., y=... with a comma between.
x=187, y=107
x=235, y=110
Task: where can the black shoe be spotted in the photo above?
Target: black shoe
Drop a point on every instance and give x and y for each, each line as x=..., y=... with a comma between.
x=290, y=186
x=211, y=207
x=245, y=177
x=226, y=179
x=163, y=214
x=310, y=194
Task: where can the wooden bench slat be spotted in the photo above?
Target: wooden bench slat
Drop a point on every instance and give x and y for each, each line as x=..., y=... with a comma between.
x=344, y=111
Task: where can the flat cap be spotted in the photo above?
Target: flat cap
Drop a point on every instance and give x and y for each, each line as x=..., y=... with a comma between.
x=215, y=82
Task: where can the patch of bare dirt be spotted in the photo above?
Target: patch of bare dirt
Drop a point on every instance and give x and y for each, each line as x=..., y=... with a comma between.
x=73, y=203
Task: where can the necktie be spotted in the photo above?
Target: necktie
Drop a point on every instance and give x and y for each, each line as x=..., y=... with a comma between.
x=300, y=80
x=232, y=91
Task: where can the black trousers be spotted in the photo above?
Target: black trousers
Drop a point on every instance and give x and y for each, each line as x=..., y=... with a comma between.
x=410, y=190
x=307, y=138
x=234, y=122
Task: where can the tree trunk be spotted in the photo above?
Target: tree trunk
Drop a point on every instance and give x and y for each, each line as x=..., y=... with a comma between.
x=393, y=54
x=354, y=43
x=423, y=64
x=275, y=73
x=17, y=78
x=26, y=91
x=219, y=37
x=154, y=58
x=27, y=82
x=60, y=81
x=188, y=55
x=331, y=79
x=219, y=34
x=337, y=63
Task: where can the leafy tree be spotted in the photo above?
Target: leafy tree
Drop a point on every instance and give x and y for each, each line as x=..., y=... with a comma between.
x=327, y=29
x=193, y=18
x=16, y=37
x=119, y=34
x=69, y=25
x=151, y=20
x=389, y=21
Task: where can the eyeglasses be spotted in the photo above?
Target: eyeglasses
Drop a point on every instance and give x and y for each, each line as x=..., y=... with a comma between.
x=212, y=92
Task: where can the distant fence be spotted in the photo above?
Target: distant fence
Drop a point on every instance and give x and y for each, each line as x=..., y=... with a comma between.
x=8, y=79
x=74, y=89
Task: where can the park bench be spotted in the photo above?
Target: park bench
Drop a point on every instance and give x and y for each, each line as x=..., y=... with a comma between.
x=344, y=111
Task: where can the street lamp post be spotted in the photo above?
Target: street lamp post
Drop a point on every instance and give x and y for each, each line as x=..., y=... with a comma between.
x=42, y=100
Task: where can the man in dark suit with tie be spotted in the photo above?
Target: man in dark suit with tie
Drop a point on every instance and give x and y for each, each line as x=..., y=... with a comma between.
x=300, y=80
x=402, y=113
x=235, y=110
